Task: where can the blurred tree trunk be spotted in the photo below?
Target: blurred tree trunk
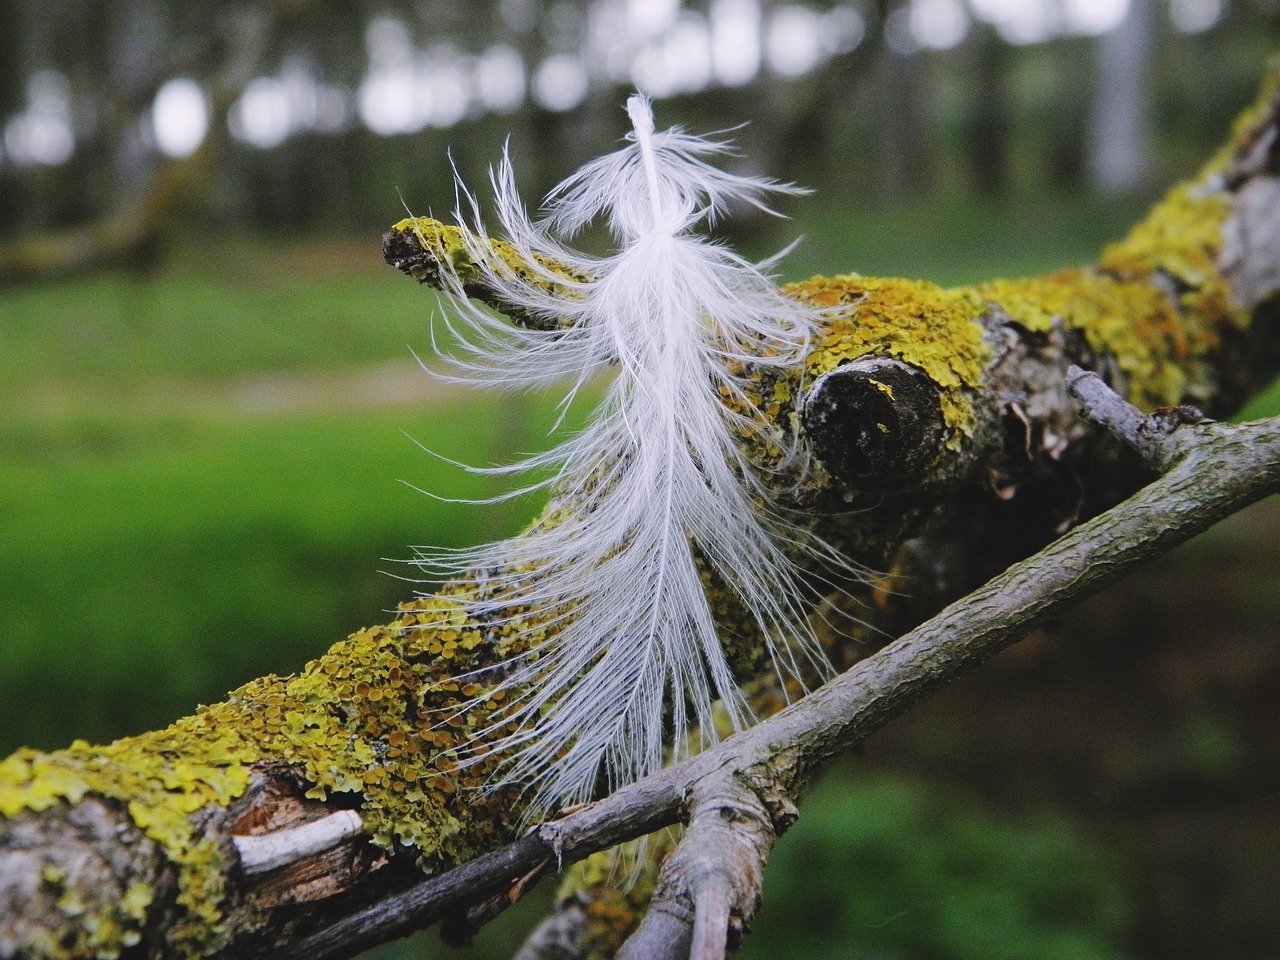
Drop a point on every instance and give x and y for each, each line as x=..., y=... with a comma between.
x=906, y=127
x=989, y=133
x=13, y=75
x=1120, y=124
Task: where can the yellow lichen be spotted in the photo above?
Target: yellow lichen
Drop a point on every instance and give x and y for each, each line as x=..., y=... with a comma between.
x=161, y=779
x=1156, y=303
x=614, y=908
x=882, y=387
x=1134, y=323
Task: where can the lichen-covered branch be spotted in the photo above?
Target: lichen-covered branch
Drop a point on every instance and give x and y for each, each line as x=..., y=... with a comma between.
x=927, y=414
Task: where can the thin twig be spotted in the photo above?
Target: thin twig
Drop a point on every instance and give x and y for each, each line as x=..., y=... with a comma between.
x=1151, y=435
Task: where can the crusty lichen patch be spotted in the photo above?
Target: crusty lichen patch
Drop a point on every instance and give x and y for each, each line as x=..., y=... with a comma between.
x=161, y=778
x=1133, y=323
x=1181, y=239
x=1156, y=303
x=102, y=932
x=382, y=716
x=614, y=889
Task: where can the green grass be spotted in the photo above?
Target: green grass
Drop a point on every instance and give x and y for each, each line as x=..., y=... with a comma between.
x=882, y=867
x=955, y=241
x=215, y=313
x=152, y=563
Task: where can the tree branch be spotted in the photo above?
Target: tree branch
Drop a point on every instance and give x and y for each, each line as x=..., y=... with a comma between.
x=1215, y=470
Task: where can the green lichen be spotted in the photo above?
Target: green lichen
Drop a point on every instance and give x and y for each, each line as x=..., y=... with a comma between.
x=383, y=715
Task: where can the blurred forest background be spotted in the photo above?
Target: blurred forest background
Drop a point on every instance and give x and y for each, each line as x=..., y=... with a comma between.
x=206, y=383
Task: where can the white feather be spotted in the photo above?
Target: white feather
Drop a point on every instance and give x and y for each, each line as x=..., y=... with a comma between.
x=655, y=483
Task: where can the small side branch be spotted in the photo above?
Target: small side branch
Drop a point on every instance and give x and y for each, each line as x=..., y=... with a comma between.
x=1152, y=436
x=709, y=888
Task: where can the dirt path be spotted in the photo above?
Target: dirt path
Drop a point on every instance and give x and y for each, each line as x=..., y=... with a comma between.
x=391, y=384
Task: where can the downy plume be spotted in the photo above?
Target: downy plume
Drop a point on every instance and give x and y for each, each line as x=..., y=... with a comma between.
x=657, y=490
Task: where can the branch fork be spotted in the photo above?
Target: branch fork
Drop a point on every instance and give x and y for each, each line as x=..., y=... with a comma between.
x=710, y=887
x=1155, y=436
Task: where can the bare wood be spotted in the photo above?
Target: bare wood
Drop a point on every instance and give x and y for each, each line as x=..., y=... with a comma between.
x=266, y=852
